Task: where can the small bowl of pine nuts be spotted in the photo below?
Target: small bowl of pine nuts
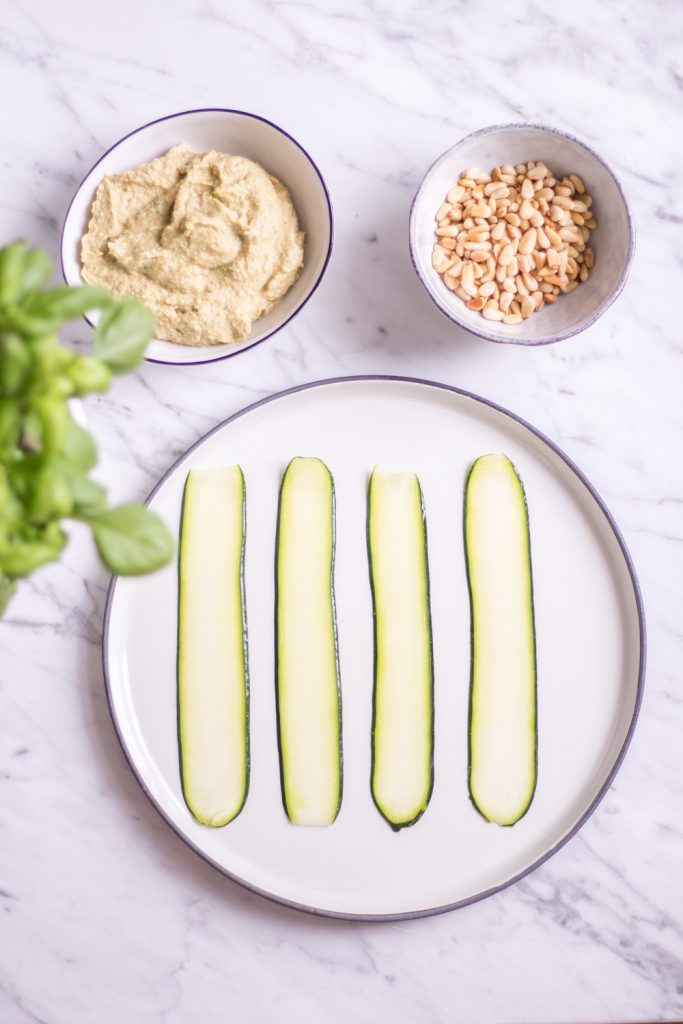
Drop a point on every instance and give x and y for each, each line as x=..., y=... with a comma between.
x=521, y=234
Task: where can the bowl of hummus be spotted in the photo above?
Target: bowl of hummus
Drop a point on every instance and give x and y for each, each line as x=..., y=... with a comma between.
x=218, y=220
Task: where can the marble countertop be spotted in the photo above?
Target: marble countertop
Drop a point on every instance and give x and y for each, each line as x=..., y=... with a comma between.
x=107, y=915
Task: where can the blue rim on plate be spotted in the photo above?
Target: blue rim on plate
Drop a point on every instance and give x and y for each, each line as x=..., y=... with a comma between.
x=214, y=110
x=563, y=335
x=430, y=911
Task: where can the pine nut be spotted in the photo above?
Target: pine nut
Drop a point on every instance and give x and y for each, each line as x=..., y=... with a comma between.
x=527, y=305
x=527, y=189
x=527, y=242
x=496, y=190
x=467, y=278
x=492, y=314
x=526, y=209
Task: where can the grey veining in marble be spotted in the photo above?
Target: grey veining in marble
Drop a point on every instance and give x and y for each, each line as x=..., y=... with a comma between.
x=106, y=916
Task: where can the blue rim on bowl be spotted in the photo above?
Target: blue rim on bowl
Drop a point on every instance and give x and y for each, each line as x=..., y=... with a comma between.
x=210, y=110
x=487, y=335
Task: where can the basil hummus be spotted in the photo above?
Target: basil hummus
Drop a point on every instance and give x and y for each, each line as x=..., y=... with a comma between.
x=208, y=241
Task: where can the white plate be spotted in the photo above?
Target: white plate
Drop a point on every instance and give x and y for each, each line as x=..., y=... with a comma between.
x=228, y=131
x=590, y=632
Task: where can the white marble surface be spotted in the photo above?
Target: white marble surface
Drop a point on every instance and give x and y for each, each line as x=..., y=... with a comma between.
x=107, y=916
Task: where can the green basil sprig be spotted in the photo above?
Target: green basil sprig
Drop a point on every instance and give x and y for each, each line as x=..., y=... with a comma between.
x=45, y=456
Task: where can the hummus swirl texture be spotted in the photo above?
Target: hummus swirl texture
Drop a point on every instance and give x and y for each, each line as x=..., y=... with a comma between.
x=208, y=241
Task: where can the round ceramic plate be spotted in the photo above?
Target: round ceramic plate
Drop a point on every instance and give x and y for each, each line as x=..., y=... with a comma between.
x=590, y=635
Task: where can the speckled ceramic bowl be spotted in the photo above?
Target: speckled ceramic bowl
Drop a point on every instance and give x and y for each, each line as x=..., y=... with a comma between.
x=612, y=241
x=228, y=131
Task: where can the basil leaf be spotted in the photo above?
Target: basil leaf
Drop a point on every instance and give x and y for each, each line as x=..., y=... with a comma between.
x=131, y=539
x=87, y=373
x=78, y=447
x=10, y=426
x=12, y=260
x=66, y=302
x=7, y=590
x=37, y=271
x=21, y=557
x=15, y=363
x=122, y=334
x=49, y=496
x=89, y=498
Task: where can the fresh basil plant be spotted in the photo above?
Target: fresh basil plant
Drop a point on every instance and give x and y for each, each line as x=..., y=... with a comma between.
x=45, y=456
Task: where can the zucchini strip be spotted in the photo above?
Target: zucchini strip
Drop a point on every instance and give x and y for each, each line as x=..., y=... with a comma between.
x=213, y=699
x=307, y=667
x=403, y=712
x=502, y=716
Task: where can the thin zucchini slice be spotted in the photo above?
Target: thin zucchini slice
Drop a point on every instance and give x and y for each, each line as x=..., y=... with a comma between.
x=403, y=712
x=308, y=690
x=213, y=698
x=502, y=719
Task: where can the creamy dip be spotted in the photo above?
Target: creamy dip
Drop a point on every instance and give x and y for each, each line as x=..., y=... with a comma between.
x=208, y=241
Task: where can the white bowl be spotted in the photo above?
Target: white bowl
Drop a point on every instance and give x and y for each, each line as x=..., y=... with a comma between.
x=228, y=131
x=612, y=241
